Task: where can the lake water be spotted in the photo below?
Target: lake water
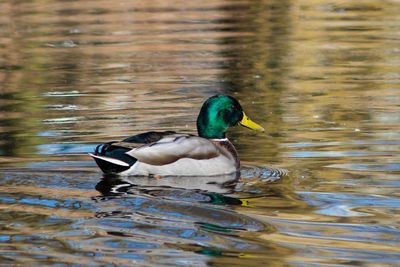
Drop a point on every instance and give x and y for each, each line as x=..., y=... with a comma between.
x=320, y=188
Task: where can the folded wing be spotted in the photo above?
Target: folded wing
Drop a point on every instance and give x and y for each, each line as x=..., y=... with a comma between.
x=174, y=147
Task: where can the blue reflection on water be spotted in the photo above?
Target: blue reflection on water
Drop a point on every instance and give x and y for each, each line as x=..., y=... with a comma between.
x=5, y=238
x=328, y=154
x=51, y=203
x=130, y=244
x=342, y=204
x=42, y=202
x=367, y=167
x=341, y=143
x=68, y=148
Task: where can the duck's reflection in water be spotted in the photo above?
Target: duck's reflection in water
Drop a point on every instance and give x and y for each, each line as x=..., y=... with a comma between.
x=211, y=189
x=193, y=200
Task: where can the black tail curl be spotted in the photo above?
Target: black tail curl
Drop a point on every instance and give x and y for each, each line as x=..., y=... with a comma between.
x=107, y=156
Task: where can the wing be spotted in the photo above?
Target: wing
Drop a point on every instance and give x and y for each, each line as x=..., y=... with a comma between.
x=174, y=147
x=117, y=149
x=112, y=158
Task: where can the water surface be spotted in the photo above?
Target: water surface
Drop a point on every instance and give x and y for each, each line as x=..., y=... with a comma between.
x=321, y=76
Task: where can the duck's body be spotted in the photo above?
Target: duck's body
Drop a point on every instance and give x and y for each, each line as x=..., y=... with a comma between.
x=173, y=154
x=169, y=153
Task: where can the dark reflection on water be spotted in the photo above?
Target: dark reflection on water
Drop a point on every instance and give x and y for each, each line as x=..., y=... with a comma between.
x=321, y=76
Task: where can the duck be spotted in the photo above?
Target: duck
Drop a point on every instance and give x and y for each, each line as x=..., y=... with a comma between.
x=168, y=153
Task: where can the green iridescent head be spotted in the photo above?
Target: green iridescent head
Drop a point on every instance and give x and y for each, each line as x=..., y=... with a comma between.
x=219, y=113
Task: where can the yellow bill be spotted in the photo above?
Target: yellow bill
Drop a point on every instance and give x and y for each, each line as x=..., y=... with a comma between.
x=246, y=122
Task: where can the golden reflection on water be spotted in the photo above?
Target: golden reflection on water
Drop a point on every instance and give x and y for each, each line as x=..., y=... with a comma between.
x=321, y=76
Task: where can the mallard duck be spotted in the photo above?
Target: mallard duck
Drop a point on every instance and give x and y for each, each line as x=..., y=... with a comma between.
x=169, y=153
